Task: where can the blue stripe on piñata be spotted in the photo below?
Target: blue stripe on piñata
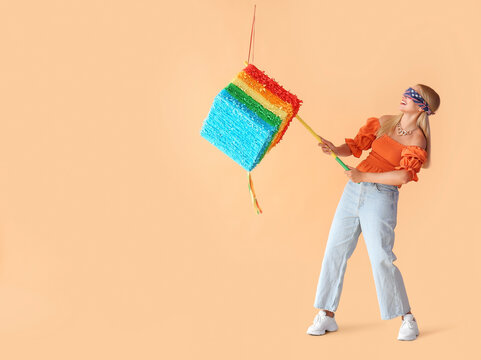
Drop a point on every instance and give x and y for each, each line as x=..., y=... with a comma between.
x=237, y=131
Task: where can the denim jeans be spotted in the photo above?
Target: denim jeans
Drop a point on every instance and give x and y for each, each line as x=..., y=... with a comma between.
x=370, y=208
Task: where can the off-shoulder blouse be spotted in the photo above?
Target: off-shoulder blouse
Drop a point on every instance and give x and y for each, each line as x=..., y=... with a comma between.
x=387, y=154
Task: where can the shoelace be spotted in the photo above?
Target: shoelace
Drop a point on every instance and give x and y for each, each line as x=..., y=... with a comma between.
x=319, y=318
x=409, y=323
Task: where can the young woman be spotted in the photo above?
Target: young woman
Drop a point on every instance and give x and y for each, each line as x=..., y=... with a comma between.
x=401, y=145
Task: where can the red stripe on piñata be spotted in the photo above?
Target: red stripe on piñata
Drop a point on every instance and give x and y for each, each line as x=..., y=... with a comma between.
x=277, y=89
x=274, y=87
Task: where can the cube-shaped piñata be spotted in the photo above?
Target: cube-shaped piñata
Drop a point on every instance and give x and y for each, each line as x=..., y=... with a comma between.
x=249, y=117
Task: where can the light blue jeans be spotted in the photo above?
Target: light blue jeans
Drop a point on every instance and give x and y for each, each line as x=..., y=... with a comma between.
x=370, y=208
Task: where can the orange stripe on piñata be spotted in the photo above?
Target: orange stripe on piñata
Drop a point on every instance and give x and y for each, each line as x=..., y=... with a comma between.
x=273, y=99
x=258, y=95
x=268, y=95
x=275, y=88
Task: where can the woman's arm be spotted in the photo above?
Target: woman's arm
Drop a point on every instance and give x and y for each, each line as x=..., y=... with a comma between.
x=343, y=150
x=327, y=146
x=396, y=177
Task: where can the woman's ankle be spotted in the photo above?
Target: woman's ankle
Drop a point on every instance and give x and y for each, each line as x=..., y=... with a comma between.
x=329, y=313
x=402, y=317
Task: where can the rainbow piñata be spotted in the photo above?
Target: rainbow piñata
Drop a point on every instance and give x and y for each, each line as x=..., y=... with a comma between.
x=249, y=117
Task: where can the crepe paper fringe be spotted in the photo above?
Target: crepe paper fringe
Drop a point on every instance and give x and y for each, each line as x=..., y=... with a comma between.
x=260, y=98
x=273, y=99
x=253, y=194
x=237, y=131
x=277, y=89
x=265, y=93
x=272, y=85
x=261, y=111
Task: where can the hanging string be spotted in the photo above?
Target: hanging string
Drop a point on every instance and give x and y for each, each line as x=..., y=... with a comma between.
x=251, y=47
x=251, y=43
x=253, y=38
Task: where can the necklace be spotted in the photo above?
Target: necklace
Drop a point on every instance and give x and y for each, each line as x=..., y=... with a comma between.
x=401, y=131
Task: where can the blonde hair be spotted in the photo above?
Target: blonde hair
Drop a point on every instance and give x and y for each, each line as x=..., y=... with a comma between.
x=433, y=100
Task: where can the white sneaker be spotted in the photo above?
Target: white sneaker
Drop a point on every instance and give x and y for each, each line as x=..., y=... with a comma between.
x=409, y=328
x=322, y=322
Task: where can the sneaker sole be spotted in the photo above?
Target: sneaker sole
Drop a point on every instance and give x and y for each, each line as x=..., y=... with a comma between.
x=320, y=333
x=408, y=339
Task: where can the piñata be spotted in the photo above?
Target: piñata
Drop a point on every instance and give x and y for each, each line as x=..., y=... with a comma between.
x=250, y=116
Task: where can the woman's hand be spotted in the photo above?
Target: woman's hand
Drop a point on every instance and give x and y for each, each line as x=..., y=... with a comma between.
x=354, y=174
x=327, y=146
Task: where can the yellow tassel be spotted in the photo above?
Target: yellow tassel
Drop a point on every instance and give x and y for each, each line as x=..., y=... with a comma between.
x=253, y=194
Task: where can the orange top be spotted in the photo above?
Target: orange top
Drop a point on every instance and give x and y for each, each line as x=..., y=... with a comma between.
x=387, y=154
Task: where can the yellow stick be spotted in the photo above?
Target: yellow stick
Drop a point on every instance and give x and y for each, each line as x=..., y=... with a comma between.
x=333, y=154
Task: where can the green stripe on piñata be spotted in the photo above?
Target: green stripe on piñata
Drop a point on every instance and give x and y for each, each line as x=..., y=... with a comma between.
x=266, y=115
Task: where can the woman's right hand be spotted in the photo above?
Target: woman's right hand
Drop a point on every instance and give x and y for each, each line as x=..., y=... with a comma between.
x=327, y=146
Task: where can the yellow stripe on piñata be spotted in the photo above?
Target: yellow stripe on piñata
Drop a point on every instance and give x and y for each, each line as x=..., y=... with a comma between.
x=274, y=100
x=266, y=94
x=260, y=98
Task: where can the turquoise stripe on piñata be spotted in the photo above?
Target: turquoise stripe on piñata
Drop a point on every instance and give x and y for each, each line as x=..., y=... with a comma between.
x=264, y=152
x=237, y=131
x=253, y=105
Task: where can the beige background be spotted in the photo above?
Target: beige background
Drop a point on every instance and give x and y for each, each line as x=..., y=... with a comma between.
x=126, y=235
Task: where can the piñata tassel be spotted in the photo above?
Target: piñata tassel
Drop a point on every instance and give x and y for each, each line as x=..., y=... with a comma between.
x=253, y=194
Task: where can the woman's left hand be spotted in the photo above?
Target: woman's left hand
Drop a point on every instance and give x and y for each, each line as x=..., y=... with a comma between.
x=354, y=174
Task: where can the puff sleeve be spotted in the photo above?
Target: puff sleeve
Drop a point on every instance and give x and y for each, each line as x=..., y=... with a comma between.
x=412, y=158
x=365, y=136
